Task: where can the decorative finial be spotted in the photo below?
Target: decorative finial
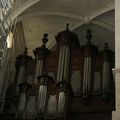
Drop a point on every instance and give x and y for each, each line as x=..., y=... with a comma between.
x=106, y=46
x=89, y=36
x=45, y=39
x=67, y=26
x=26, y=51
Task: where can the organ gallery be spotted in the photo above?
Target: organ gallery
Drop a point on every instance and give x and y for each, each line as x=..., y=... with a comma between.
x=70, y=81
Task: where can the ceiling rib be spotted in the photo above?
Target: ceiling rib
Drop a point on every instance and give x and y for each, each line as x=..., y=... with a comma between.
x=103, y=10
x=23, y=7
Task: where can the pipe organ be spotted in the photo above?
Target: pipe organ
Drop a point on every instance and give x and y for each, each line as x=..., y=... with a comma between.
x=71, y=80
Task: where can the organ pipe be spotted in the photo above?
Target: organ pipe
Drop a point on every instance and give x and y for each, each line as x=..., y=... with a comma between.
x=21, y=75
x=30, y=110
x=42, y=98
x=61, y=103
x=87, y=75
x=30, y=106
x=106, y=76
x=43, y=82
x=97, y=82
x=67, y=61
x=76, y=82
x=64, y=96
x=63, y=64
x=38, y=70
x=30, y=79
x=59, y=64
x=52, y=105
x=22, y=101
x=21, y=105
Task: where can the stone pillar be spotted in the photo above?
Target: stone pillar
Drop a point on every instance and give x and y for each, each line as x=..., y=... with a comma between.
x=116, y=114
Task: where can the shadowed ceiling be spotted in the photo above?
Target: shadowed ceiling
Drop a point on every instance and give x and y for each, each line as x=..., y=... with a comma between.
x=51, y=16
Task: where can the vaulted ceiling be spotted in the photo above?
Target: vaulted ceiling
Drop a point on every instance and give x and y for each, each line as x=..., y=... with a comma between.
x=51, y=16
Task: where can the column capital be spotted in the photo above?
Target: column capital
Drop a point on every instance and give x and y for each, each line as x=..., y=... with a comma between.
x=116, y=70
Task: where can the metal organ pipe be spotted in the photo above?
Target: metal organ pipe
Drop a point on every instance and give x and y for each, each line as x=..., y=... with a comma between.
x=89, y=71
x=84, y=78
x=63, y=64
x=30, y=112
x=52, y=105
x=21, y=75
x=21, y=106
x=63, y=99
x=42, y=98
x=66, y=69
x=39, y=98
x=39, y=67
x=22, y=102
x=97, y=82
x=30, y=79
x=87, y=74
x=76, y=82
x=61, y=103
x=106, y=76
x=59, y=64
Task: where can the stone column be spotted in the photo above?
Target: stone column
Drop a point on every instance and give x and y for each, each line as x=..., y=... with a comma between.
x=116, y=71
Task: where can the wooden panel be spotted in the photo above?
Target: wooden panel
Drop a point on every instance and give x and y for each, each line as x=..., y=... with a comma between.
x=92, y=116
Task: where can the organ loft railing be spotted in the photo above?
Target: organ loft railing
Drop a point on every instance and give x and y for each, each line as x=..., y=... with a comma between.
x=71, y=79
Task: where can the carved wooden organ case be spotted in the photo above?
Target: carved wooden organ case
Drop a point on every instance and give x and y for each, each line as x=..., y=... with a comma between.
x=70, y=79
